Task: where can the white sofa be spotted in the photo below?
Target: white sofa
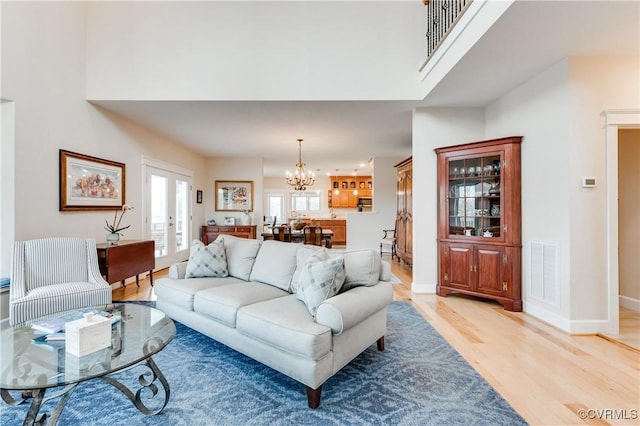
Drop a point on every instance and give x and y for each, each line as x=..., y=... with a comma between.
x=257, y=310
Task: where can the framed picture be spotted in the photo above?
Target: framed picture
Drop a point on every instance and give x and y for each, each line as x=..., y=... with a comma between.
x=234, y=196
x=230, y=221
x=198, y=196
x=90, y=183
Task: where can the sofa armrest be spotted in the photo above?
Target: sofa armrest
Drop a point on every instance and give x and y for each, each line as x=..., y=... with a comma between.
x=385, y=271
x=177, y=271
x=347, y=309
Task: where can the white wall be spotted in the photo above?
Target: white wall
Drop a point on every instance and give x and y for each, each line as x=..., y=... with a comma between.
x=597, y=84
x=279, y=50
x=7, y=182
x=364, y=230
x=538, y=110
x=434, y=128
x=47, y=85
x=559, y=113
x=7, y=195
x=233, y=168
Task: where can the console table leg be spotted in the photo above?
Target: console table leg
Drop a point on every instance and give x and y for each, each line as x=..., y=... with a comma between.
x=151, y=277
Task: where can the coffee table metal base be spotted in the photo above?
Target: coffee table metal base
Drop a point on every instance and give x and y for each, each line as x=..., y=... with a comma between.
x=147, y=382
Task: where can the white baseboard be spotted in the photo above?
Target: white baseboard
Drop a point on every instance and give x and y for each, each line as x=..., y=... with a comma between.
x=629, y=303
x=423, y=288
x=547, y=316
x=565, y=324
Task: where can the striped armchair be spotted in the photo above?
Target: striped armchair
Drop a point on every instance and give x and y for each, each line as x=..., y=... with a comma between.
x=53, y=275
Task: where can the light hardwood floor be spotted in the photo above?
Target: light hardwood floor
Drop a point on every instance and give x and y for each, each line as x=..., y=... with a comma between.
x=547, y=375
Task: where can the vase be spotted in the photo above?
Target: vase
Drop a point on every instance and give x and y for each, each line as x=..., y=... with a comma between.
x=113, y=238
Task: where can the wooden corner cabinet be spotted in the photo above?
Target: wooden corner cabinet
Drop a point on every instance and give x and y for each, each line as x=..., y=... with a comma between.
x=210, y=233
x=479, y=221
x=404, y=215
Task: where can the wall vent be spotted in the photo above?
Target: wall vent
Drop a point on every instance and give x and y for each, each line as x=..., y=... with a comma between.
x=544, y=272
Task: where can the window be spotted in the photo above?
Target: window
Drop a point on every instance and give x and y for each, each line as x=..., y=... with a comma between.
x=275, y=207
x=305, y=201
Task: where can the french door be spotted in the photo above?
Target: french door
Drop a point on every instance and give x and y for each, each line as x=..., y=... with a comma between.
x=168, y=214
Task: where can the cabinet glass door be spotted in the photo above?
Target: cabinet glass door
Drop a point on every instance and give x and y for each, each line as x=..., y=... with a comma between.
x=474, y=196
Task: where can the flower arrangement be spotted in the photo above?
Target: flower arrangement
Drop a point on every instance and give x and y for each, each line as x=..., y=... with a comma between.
x=115, y=227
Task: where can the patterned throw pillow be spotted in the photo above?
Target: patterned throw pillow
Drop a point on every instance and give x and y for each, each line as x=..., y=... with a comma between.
x=207, y=261
x=320, y=279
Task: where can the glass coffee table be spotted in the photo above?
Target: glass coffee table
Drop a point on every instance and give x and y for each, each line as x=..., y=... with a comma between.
x=39, y=371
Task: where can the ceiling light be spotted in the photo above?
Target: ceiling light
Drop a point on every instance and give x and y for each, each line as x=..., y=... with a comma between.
x=300, y=179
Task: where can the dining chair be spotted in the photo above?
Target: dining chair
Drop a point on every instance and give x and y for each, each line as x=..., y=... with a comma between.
x=389, y=242
x=282, y=233
x=53, y=275
x=312, y=235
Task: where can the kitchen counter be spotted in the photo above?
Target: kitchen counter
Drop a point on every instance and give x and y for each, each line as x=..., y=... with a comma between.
x=338, y=226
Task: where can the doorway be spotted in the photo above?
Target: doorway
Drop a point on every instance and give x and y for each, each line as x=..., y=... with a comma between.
x=619, y=122
x=629, y=236
x=168, y=212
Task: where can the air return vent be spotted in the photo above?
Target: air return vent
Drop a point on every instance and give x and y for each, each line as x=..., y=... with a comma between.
x=544, y=272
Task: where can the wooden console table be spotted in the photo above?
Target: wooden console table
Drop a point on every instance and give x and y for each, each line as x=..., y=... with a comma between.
x=210, y=233
x=126, y=259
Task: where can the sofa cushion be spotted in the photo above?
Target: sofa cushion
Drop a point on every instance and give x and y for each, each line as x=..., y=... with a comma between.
x=241, y=253
x=304, y=252
x=275, y=264
x=222, y=302
x=181, y=292
x=285, y=323
x=322, y=277
x=361, y=267
x=207, y=261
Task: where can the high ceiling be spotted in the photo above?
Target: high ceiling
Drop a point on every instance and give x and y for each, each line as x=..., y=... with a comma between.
x=530, y=37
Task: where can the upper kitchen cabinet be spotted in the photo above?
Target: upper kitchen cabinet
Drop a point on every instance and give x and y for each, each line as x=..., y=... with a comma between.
x=347, y=190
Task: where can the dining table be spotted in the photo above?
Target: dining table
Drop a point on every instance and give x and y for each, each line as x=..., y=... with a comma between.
x=297, y=236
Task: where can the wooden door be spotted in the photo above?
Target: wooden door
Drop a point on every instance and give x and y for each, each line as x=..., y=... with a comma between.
x=489, y=266
x=404, y=218
x=457, y=266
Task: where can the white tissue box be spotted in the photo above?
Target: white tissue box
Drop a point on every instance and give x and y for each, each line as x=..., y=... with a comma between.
x=87, y=335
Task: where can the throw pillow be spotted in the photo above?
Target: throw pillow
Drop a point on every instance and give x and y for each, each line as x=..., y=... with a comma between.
x=320, y=280
x=207, y=261
x=303, y=255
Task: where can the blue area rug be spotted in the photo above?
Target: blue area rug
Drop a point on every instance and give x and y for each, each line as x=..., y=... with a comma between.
x=418, y=380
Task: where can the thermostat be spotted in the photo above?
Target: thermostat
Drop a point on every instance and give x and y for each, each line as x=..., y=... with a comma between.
x=588, y=182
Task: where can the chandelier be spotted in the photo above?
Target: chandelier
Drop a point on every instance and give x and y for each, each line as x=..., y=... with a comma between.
x=300, y=179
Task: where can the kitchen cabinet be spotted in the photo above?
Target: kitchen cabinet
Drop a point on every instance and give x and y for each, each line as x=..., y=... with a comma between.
x=479, y=221
x=345, y=190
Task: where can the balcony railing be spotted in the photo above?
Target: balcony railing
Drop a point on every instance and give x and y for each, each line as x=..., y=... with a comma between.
x=442, y=16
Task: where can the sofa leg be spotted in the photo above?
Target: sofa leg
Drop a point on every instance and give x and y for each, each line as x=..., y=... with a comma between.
x=313, y=397
x=380, y=343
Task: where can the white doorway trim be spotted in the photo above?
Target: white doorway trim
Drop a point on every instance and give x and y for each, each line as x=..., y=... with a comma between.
x=615, y=120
